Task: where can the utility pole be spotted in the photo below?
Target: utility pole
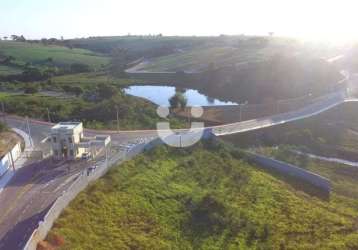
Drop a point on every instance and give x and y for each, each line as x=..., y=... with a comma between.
x=28, y=131
x=189, y=115
x=12, y=160
x=240, y=112
x=278, y=106
x=106, y=148
x=48, y=115
x=3, y=111
x=117, y=110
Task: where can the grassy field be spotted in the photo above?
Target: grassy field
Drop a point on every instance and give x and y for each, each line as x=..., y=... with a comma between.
x=62, y=56
x=344, y=178
x=206, y=197
x=138, y=44
x=224, y=53
x=198, y=59
x=8, y=70
x=91, y=79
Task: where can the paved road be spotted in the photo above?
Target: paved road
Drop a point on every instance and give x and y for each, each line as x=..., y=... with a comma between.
x=27, y=197
x=30, y=193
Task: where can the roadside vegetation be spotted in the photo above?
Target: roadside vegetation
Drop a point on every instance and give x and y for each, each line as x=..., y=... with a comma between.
x=204, y=197
x=2, y=127
x=97, y=109
x=333, y=133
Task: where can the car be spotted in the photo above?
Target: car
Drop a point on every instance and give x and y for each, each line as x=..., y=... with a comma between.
x=86, y=156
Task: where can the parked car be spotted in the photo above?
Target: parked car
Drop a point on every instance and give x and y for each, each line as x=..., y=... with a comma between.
x=86, y=156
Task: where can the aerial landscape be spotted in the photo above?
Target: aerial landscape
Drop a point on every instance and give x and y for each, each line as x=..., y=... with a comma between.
x=170, y=125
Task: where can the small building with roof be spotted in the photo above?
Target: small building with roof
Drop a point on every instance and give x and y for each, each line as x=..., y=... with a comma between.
x=68, y=141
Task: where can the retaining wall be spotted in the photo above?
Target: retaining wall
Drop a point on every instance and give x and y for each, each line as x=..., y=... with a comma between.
x=8, y=160
x=292, y=171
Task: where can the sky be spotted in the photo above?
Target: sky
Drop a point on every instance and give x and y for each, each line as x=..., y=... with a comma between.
x=332, y=20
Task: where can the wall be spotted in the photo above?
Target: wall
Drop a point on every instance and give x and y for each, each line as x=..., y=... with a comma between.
x=290, y=170
x=7, y=161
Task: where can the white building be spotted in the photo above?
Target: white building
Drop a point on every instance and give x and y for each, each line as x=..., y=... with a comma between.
x=65, y=137
x=68, y=141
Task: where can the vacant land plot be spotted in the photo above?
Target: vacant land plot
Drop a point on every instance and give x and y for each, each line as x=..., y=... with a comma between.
x=8, y=70
x=205, y=197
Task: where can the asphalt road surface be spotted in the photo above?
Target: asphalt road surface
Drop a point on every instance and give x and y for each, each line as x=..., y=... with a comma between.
x=33, y=189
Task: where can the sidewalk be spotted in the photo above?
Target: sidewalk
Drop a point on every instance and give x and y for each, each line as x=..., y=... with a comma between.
x=19, y=163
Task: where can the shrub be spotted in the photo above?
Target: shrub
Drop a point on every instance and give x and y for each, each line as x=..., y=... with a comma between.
x=178, y=100
x=31, y=89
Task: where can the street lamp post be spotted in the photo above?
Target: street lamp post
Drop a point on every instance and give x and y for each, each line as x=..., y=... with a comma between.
x=117, y=114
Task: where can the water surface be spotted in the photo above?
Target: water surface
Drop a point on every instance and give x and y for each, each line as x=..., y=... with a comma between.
x=160, y=95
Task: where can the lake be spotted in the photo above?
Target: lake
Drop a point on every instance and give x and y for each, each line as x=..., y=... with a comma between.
x=160, y=95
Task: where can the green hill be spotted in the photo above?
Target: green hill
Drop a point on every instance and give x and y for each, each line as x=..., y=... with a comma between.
x=206, y=197
x=225, y=54
x=38, y=54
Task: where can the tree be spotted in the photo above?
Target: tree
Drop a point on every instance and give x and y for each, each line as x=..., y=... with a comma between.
x=9, y=59
x=77, y=90
x=3, y=127
x=119, y=62
x=106, y=91
x=32, y=74
x=178, y=100
x=79, y=68
x=73, y=89
x=31, y=89
x=21, y=39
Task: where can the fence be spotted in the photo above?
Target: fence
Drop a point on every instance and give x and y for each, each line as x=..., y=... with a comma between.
x=77, y=186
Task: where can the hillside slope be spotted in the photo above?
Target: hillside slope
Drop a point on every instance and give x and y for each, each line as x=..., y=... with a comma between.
x=206, y=197
x=37, y=54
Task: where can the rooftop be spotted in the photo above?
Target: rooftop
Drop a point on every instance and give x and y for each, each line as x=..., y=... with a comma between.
x=66, y=125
